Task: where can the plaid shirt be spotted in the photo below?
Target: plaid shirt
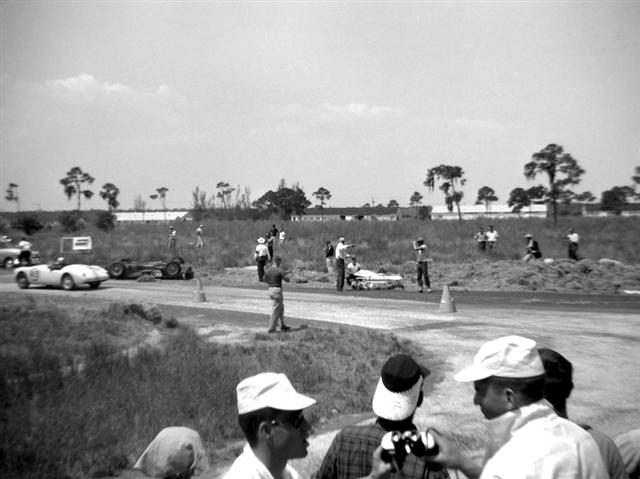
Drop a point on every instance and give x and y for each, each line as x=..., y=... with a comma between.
x=350, y=453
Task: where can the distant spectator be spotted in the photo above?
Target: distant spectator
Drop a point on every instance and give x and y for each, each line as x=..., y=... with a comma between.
x=173, y=237
x=274, y=276
x=282, y=236
x=25, y=251
x=422, y=265
x=329, y=253
x=572, y=241
x=4, y=239
x=176, y=452
x=558, y=385
x=199, y=233
x=262, y=257
x=629, y=447
x=533, y=250
x=492, y=237
x=352, y=268
x=342, y=253
x=481, y=239
x=270, y=239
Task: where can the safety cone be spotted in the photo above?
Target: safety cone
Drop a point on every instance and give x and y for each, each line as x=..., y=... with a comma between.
x=198, y=293
x=447, y=304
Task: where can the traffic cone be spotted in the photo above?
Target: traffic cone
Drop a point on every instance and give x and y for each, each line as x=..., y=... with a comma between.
x=447, y=304
x=198, y=293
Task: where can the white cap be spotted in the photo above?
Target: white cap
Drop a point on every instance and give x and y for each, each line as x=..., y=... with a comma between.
x=261, y=240
x=175, y=450
x=270, y=390
x=341, y=240
x=507, y=357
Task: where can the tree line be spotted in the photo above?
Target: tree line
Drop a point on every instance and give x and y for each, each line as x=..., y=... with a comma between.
x=561, y=169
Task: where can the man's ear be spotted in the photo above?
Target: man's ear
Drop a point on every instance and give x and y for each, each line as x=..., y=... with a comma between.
x=264, y=429
x=511, y=398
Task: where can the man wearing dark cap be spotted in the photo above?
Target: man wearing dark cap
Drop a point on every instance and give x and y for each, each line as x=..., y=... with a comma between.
x=527, y=439
x=397, y=396
x=558, y=385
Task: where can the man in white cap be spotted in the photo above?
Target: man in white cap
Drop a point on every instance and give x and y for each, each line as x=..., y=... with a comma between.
x=199, y=240
x=262, y=257
x=270, y=416
x=397, y=396
x=527, y=439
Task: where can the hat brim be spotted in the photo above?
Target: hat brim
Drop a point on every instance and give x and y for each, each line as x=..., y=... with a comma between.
x=294, y=402
x=395, y=406
x=472, y=373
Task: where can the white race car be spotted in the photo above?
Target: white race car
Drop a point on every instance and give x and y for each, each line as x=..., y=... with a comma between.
x=60, y=275
x=365, y=279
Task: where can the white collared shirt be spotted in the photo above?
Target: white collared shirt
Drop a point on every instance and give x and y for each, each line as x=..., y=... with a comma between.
x=533, y=442
x=248, y=466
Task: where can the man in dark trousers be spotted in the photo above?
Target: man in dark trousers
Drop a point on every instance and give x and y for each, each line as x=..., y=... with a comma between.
x=274, y=277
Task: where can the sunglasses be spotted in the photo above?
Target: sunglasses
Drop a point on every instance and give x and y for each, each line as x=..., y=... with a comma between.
x=294, y=422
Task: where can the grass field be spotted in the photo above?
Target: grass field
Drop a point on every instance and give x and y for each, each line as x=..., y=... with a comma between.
x=91, y=424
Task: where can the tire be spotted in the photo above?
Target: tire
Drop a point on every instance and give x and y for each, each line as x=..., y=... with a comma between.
x=94, y=285
x=189, y=274
x=117, y=270
x=68, y=283
x=7, y=263
x=172, y=270
x=23, y=282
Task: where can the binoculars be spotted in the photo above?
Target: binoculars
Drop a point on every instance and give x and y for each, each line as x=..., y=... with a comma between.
x=397, y=445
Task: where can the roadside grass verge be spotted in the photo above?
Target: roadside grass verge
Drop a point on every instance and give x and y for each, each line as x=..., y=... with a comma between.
x=94, y=423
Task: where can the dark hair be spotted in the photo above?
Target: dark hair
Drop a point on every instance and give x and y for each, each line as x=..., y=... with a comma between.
x=558, y=377
x=531, y=388
x=250, y=422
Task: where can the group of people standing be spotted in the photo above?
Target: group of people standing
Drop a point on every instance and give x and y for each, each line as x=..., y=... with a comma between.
x=520, y=389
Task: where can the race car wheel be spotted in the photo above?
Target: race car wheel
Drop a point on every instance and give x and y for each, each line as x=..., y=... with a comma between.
x=189, y=274
x=94, y=285
x=172, y=269
x=23, y=282
x=67, y=282
x=116, y=270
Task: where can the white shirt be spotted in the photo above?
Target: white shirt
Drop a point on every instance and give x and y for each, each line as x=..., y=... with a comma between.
x=492, y=236
x=248, y=466
x=573, y=237
x=341, y=251
x=533, y=442
x=262, y=250
x=24, y=245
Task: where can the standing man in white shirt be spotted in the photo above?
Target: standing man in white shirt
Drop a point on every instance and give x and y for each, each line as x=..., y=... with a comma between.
x=262, y=257
x=572, y=240
x=422, y=265
x=492, y=237
x=342, y=253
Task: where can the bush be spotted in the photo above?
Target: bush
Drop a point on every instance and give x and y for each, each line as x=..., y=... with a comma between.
x=27, y=222
x=71, y=221
x=105, y=221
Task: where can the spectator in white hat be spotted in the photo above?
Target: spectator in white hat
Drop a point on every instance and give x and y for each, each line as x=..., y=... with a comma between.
x=270, y=416
x=262, y=257
x=176, y=452
x=199, y=239
x=397, y=396
x=527, y=439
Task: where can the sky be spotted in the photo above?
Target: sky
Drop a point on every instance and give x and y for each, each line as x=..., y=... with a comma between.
x=361, y=98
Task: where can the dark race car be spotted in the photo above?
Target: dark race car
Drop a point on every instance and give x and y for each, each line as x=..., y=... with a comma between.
x=130, y=269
